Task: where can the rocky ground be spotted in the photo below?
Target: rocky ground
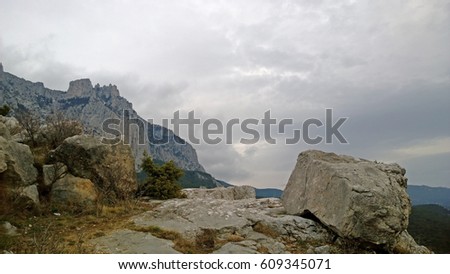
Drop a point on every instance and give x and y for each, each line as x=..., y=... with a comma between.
x=234, y=226
x=331, y=204
x=209, y=221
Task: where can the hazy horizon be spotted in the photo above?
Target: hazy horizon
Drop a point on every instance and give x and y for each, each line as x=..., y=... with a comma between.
x=384, y=65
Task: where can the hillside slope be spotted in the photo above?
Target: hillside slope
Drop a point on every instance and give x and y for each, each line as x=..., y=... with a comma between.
x=430, y=226
x=92, y=105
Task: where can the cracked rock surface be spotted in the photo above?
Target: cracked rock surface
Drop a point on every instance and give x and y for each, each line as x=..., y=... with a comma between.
x=133, y=242
x=241, y=226
x=358, y=199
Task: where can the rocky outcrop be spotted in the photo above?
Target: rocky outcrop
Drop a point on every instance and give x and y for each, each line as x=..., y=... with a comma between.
x=230, y=193
x=29, y=195
x=4, y=132
x=8, y=229
x=74, y=194
x=16, y=162
x=107, y=166
x=51, y=173
x=405, y=244
x=359, y=200
x=11, y=125
x=17, y=172
x=108, y=92
x=249, y=225
x=80, y=88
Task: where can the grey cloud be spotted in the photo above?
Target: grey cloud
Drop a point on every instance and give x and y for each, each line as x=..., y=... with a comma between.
x=39, y=65
x=224, y=162
x=432, y=171
x=385, y=65
x=154, y=100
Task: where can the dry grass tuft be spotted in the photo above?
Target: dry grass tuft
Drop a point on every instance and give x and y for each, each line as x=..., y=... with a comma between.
x=234, y=238
x=206, y=240
x=67, y=233
x=158, y=232
x=266, y=230
x=262, y=249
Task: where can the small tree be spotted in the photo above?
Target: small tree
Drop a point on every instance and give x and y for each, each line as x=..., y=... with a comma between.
x=60, y=128
x=4, y=110
x=162, y=181
x=31, y=123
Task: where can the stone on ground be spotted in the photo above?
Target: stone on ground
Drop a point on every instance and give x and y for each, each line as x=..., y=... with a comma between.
x=132, y=242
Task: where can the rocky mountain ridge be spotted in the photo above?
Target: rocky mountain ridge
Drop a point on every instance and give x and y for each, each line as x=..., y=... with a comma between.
x=425, y=195
x=92, y=105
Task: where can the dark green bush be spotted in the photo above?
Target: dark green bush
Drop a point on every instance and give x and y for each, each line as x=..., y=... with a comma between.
x=4, y=110
x=162, y=180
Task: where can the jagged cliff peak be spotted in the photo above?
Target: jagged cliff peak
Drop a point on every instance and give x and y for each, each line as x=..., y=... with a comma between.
x=92, y=105
x=80, y=88
x=84, y=88
x=109, y=91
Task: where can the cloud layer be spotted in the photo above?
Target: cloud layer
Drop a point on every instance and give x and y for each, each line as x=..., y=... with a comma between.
x=383, y=64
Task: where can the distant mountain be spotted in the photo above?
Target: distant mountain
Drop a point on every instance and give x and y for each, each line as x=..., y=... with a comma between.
x=423, y=195
x=92, y=105
x=268, y=193
x=430, y=226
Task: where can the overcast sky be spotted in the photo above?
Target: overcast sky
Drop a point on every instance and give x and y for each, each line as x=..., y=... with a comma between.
x=383, y=64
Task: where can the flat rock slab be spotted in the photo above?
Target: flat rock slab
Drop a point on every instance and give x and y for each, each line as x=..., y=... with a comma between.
x=189, y=216
x=236, y=222
x=132, y=242
x=229, y=193
x=232, y=248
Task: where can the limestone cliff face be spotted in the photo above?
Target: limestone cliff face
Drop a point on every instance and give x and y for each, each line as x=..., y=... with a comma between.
x=92, y=105
x=80, y=88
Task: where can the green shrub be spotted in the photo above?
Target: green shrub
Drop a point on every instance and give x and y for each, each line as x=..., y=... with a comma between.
x=162, y=181
x=430, y=226
x=4, y=110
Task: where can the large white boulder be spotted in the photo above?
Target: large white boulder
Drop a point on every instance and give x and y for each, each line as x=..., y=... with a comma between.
x=357, y=199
